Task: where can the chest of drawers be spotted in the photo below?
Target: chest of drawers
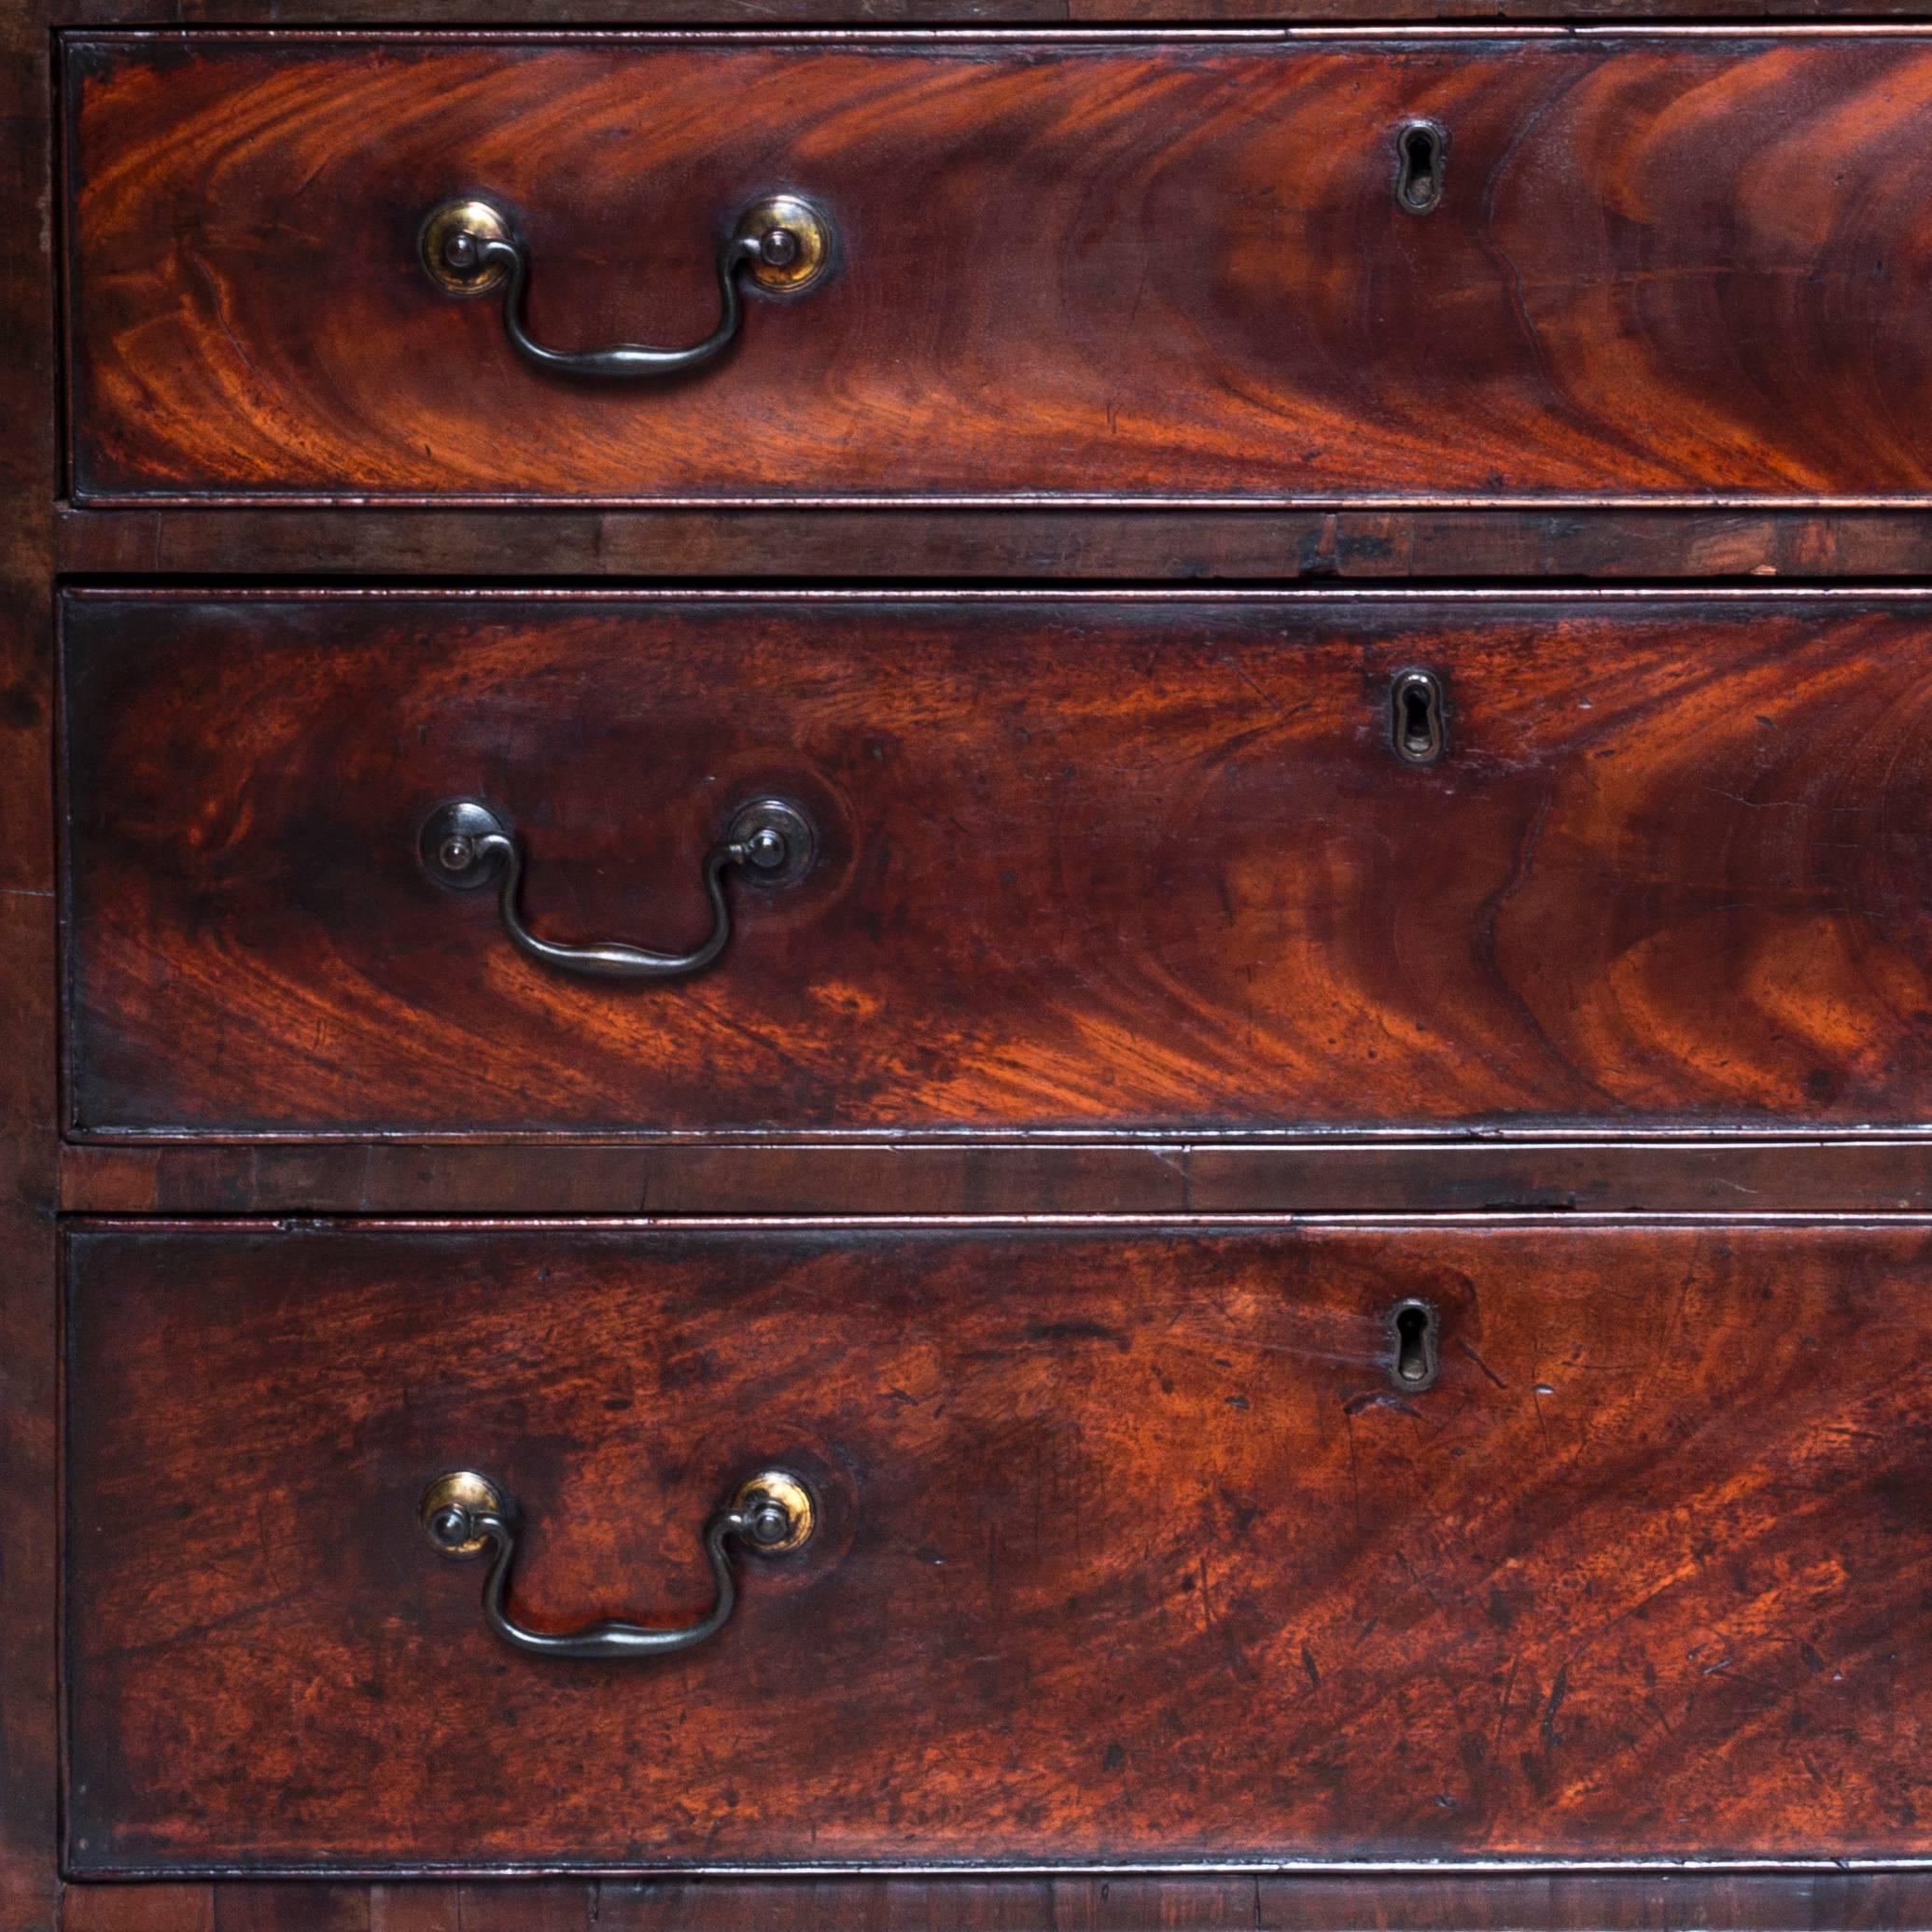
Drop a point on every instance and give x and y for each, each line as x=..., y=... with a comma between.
x=968, y=969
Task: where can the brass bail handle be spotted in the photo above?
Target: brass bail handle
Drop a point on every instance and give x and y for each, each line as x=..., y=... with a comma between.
x=783, y=242
x=465, y=1514
x=464, y=845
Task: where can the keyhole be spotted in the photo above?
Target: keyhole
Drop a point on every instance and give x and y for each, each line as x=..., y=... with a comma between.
x=1415, y=716
x=1418, y=149
x=1413, y=1325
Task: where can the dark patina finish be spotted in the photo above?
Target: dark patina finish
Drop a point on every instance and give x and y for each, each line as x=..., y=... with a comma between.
x=1128, y=1551
x=1126, y=862
x=1509, y=1555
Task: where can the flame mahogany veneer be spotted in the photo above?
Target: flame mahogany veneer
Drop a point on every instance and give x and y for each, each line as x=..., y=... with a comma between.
x=1661, y=268
x=1130, y=1551
x=1145, y=1592
x=1085, y=863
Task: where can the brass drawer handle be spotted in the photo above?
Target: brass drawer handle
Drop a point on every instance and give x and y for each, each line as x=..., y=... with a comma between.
x=469, y=248
x=464, y=1515
x=465, y=845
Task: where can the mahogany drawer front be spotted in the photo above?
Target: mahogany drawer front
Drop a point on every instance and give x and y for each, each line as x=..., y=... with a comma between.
x=1082, y=862
x=1658, y=266
x=1128, y=1547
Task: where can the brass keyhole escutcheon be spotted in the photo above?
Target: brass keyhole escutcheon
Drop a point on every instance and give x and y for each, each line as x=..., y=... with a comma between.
x=1416, y=724
x=1421, y=148
x=1415, y=1333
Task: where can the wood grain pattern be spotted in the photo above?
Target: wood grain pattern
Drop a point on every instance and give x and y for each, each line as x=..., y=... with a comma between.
x=1087, y=863
x=866, y=15
x=1719, y=265
x=29, y=990
x=952, y=546
x=911, y=1174
x=1662, y=268
x=1130, y=1549
x=1682, y=1901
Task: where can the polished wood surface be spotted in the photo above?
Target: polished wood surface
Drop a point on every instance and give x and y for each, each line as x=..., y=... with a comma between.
x=952, y=546
x=1638, y=284
x=1662, y=268
x=29, y=987
x=1867, y=1173
x=1130, y=1546
x=1681, y=1901
x=1106, y=863
x=870, y=15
